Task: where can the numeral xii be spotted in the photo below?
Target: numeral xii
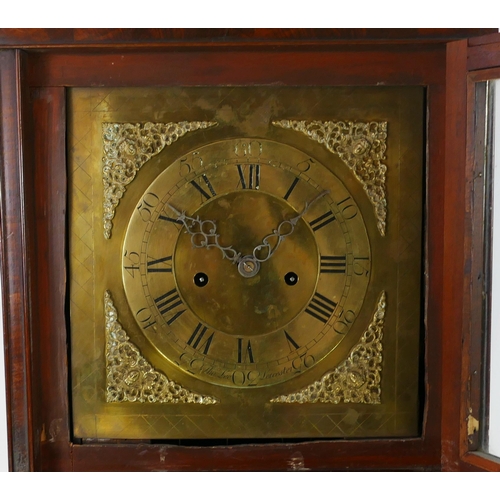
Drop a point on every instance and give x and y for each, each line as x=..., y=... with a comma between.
x=253, y=176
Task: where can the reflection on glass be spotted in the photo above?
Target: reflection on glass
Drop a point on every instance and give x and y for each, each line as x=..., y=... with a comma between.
x=492, y=440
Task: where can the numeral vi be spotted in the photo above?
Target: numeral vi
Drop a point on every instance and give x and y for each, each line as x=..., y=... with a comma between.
x=245, y=353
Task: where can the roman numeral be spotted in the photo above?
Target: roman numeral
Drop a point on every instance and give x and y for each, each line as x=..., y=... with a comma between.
x=291, y=188
x=195, y=341
x=245, y=353
x=154, y=266
x=253, y=177
x=209, y=186
x=332, y=264
x=320, y=307
x=322, y=221
x=168, y=301
x=291, y=343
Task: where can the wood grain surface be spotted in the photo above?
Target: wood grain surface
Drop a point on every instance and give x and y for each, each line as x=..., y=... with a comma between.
x=50, y=37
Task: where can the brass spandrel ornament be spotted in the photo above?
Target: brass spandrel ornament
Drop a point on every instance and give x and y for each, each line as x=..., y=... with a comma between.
x=361, y=146
x=245, y=262
x=126, y=147
x=130, y=377
x=355, y=380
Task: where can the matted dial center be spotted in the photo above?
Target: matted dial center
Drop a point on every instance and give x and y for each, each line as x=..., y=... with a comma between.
x=250, y=297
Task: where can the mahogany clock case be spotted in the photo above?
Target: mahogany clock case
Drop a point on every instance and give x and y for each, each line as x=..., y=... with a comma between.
x=34, y=83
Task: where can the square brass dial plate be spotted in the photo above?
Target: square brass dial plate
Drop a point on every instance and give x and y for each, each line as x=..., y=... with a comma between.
x=155, y=354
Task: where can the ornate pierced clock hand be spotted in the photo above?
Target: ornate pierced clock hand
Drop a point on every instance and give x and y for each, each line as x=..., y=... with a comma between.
x=203, y=234
x=285, y=229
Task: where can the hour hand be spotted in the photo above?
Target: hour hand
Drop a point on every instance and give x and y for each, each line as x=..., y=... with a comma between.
x=204, y=234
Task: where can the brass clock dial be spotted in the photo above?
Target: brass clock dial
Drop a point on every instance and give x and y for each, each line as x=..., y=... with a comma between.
x=246, y=262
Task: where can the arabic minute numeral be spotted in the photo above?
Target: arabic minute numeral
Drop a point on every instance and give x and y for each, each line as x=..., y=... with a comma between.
x=132, y=259
x=145, y=318
x=303, y=361
x=361, y=266
x=147, y=205
x=348, y=208
x=346, y=318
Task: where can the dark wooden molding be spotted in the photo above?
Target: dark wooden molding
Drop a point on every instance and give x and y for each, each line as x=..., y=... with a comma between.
x=71, y=37
x=478, y=58
x=376, y=66
x=17, y=245
x=53, y=424
x=454, y=258
x=434, y=278
x=405, y=454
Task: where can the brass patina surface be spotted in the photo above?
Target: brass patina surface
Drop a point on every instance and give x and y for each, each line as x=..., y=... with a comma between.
x=231, y=302
x=246, y=343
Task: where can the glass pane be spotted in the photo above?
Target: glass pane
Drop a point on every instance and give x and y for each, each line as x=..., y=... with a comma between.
x=492, y=441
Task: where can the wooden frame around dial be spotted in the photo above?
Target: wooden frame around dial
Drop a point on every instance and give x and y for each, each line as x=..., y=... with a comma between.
x=34, y=75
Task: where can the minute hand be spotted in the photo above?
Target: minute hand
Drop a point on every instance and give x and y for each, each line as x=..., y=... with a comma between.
x=272, y=241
